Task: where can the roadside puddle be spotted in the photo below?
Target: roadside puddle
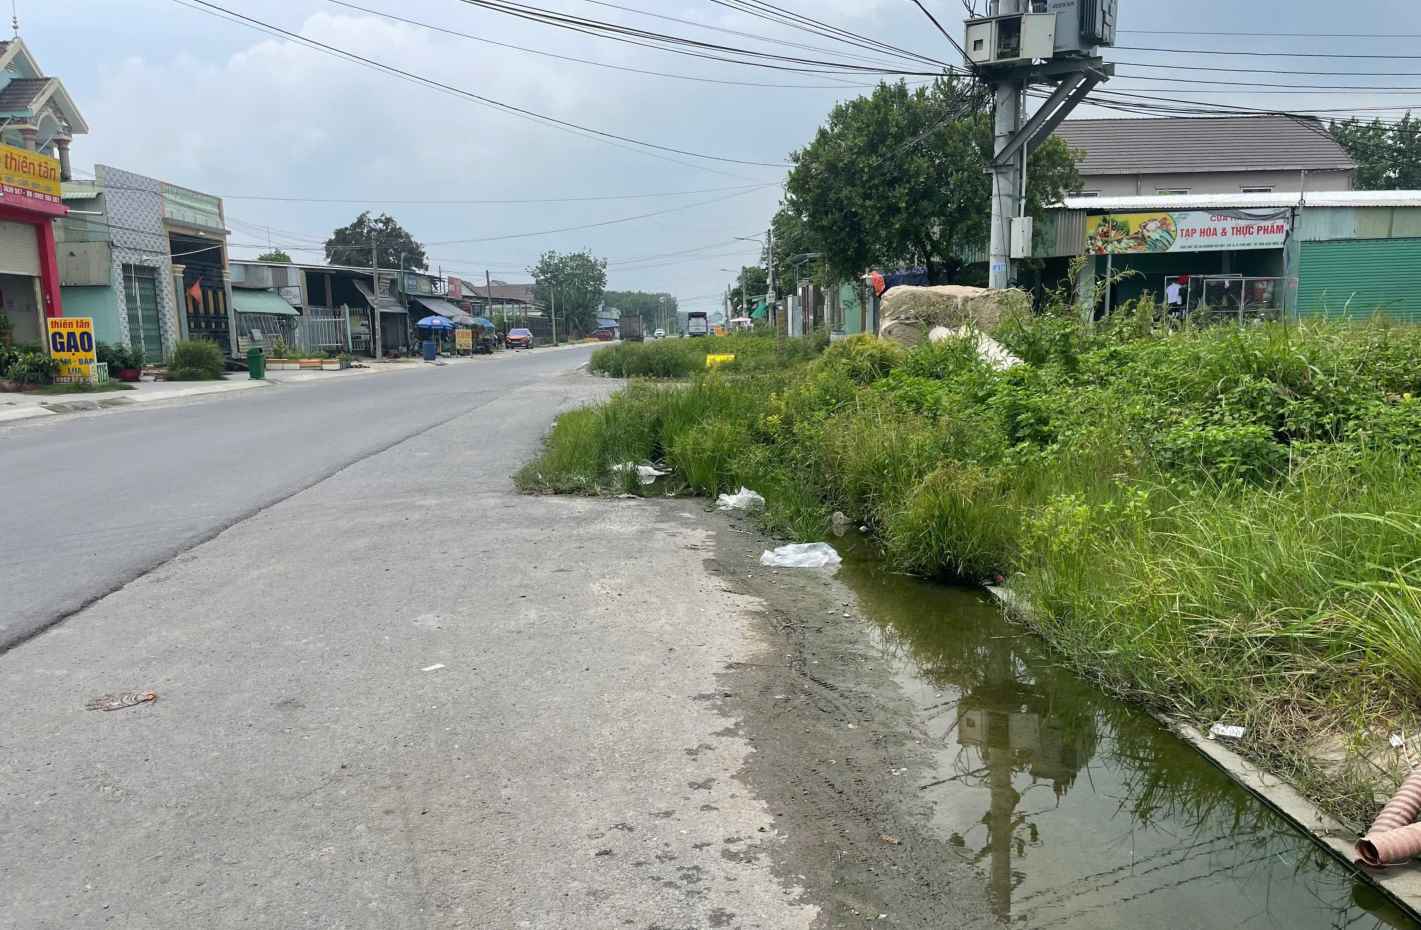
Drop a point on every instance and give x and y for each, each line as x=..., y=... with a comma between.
x=1080, y=811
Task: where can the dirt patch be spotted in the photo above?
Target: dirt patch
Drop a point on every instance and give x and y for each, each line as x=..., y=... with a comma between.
x=837, y=749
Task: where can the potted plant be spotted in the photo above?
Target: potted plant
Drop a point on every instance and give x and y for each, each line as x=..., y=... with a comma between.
x=124, y=363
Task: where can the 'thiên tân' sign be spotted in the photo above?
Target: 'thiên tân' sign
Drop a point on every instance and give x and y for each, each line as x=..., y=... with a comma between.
x=71, y=344
x=1194, y=231
x=30, y=180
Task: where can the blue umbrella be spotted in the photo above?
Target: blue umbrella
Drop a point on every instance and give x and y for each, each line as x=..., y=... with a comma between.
x=435, y=322
x=483, y=323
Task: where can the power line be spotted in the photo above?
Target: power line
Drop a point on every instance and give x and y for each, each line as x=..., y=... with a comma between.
x=735, y=32
x=521, y=112
x=1174, y=69
x=781, y=16
x=1256, y=54
x=563, y=229
x=749, y=57
x=588, y=61
x=1276, y=35
x=293, y=198
x=947, y=35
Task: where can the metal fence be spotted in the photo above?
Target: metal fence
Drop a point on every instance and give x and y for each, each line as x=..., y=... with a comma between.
x=1231, y=297
x=323, y=329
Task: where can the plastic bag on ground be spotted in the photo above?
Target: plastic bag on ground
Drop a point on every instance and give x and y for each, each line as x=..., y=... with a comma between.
x=646, y=474
x=802, y=555
x=743, y=499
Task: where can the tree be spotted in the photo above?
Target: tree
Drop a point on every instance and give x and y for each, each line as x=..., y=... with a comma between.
x=646, y=305
x=575, y=282
x=1388, y=156
x=350, y=245
x=792, y=239
x=752, y=284
x=275, y=255
x=899, y=178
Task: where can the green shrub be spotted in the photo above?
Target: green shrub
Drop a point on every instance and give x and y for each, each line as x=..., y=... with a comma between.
x=865, y=359
x=196, y=360
x=32, y=368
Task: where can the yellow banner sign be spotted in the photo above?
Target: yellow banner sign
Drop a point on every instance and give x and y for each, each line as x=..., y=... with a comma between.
x=71, y=344
x=715, y=361
x=29, y=176
x=464, y=339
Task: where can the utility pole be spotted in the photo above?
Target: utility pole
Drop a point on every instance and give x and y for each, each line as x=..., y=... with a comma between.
x=1008, y=179
x=554, y=297
x=1011, y=50
x=379, y=321
x=770, y=276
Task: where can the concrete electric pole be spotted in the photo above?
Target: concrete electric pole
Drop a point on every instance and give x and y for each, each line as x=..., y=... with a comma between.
x=1011, y=50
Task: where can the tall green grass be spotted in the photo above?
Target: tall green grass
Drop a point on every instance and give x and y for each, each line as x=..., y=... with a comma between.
x=1223, y=523
x=682, y=358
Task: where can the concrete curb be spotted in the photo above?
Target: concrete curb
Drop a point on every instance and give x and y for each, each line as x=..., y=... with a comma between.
x=27, y=412
x=1401, y=884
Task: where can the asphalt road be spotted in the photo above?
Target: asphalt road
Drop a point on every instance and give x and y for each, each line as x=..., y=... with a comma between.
x=94, y=500
x=404, y=698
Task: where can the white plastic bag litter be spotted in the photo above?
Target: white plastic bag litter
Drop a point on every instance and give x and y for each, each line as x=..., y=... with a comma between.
x=646, y=474
x=1228, y=731
x=744, y=499
x=802, y=555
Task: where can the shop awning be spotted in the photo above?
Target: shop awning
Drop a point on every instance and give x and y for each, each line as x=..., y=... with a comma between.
x=444, y=308
x=383, y=304
x=248, y=301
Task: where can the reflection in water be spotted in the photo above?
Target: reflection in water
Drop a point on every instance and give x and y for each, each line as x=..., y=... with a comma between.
x=1081, y=811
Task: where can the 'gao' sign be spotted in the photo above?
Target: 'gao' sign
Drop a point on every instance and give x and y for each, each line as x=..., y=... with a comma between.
x=71, y=344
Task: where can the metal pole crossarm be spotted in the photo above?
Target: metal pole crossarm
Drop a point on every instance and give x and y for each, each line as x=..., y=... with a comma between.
x=1049, y=116
x=1089, y=82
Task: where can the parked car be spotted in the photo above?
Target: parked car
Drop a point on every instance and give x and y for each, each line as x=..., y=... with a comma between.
x=659, y=334
x=604, y=335
x=519, y=339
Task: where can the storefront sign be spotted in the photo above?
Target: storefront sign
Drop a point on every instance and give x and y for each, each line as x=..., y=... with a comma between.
x=1197, y=231
x=71, y=344
x=30, y=180
x=456, y=288
x=464, y=339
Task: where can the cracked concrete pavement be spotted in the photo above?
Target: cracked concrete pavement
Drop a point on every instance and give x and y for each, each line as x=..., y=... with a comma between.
x=405, y=697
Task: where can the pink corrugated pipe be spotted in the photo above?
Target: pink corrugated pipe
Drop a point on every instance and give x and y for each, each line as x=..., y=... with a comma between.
x=1393, y=836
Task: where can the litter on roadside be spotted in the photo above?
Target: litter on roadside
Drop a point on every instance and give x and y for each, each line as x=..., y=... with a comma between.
x=121, y=699
x=743, y=499
x=802, y=555
x=646, y=474
x=1226, y=730
x=433, y=668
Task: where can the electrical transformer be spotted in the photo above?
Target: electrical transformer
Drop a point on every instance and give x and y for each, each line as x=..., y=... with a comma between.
x=1081, y=25
x=1048, y=29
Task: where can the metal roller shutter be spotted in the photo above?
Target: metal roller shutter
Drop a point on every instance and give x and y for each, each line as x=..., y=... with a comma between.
x=1357, y=279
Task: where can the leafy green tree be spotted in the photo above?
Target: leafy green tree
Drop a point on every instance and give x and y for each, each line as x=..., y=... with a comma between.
x=792, y=238
x=275, y=255
x=899, y=178
x=752, y=284
x=644, y=304
x=1388, y=156
x=350, y=245
x=575, y=282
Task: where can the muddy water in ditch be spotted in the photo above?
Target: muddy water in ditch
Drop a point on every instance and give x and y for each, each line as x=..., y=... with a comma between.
x=1080, y=811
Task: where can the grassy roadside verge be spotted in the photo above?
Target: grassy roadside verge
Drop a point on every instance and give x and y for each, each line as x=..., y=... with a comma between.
x=1221, y=524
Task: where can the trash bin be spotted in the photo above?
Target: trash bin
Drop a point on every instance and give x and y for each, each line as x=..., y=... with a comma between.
x=256, y=363
x=429, y=353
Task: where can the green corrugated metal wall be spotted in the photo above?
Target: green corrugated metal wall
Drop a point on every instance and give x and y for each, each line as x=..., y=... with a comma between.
x=1360, y=278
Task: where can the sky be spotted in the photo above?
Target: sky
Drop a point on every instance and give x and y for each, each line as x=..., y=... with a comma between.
x=298, y=142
